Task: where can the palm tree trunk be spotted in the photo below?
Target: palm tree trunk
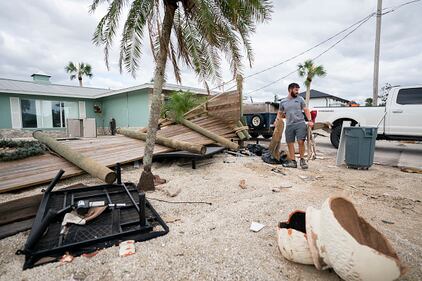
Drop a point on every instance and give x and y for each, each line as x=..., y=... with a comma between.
x=80, y=81
x=146, y=181
x=308, y=94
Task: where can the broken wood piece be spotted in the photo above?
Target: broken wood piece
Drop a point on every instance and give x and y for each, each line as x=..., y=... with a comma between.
x=172, y=143
x=221, y=140
x=242, y=184
x=411, y=170
x=158, y=180
x=87, y=164
x=274, y=146
x=245, y=131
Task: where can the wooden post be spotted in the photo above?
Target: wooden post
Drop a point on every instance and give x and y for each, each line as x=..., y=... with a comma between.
x=245, y=132
x=87, y=164
x=176, y=144
x=274, y=146
x=239, y=80
x=211, y=135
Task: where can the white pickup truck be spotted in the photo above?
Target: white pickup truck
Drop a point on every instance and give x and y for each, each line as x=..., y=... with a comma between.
x=399, y=119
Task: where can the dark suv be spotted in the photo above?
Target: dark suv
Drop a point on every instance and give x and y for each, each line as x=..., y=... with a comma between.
x=260, y=118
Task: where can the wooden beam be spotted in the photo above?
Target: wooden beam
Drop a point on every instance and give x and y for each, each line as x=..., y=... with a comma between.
x=274, y=146
x=87, y=164
x=172, y=143
x=221, y=140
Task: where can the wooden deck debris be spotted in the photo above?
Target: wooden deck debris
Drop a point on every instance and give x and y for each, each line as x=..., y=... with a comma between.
x=107, y=150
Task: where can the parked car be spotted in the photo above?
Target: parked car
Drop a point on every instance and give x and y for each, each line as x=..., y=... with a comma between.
x=260, y=118
x=399, y=119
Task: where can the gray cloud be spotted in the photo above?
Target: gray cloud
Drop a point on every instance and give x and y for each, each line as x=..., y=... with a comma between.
x=44, y=35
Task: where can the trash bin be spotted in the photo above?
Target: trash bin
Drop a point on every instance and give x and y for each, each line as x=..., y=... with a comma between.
x=360, y=146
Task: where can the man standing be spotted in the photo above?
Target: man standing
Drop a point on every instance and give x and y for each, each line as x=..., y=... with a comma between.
x=296, y=128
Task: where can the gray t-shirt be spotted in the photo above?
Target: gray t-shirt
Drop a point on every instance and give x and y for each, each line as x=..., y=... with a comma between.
x=293, y=108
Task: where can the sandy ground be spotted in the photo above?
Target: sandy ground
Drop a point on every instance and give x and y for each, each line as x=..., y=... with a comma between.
x=215, y=243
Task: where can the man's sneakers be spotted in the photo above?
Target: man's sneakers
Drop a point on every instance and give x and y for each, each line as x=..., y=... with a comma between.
x=303, y=163
x=293, y=164
x=290, y=164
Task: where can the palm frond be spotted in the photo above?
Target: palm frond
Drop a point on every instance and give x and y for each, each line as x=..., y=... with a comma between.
x=106, y=28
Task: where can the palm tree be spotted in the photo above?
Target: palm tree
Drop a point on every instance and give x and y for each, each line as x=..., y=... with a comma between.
x=202, y=30
x=310, y=70
x=82, y=69
x=179, y=103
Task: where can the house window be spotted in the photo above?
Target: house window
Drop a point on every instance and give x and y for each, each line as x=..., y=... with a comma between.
x=29, y=113
x=58, y=114
x=45, y=113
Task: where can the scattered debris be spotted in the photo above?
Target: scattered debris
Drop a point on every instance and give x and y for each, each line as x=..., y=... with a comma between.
x=256, y=226
x=266, y=155
x=256, y=149
x=170, y=219
x=158, y=180
x=411, y=170
x=387, y=222
x=90, y=255
x=303, y=177
x=67, y=258
x=173, y=191
x=278, y=170
x=242, y=184
x=127, y=248
x=104, y=225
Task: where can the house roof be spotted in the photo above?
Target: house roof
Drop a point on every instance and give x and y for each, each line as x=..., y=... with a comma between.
x=166, y=86
x=318, y=94
x=48, y=89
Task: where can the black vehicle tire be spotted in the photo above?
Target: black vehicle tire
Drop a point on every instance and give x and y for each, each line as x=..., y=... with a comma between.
x=335, y=135
x=257, y=121
x=253, y=135
x=267, y=136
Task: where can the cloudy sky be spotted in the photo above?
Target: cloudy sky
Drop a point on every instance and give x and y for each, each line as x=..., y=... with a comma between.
x=44, y=35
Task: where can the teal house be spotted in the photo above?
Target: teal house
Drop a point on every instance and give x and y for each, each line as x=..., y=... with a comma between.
x=39, y=104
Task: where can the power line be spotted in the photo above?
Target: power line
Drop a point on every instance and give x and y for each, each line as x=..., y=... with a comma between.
x=310, y=49
x=358, y=23
x=319, y=55
x=394, y=8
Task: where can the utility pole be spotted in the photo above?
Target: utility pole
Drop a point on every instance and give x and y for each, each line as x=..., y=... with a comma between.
x=377, y=55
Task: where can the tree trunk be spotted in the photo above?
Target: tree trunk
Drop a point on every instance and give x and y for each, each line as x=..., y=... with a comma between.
x=211, y=135
x=146, y=181
x=80, y=81
x=87, y=164
x=176, y=144
x=308, y=94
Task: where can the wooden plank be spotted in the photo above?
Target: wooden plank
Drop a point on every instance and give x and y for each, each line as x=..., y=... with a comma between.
x=16, y=227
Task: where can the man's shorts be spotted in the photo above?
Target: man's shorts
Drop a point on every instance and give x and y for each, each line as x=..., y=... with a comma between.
x=297, y=131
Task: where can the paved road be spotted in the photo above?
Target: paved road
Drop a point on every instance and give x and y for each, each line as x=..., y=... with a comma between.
x=391, y=153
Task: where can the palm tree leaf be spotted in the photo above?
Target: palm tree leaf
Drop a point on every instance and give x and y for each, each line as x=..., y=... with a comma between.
x=106, y=28
x=132, y=35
